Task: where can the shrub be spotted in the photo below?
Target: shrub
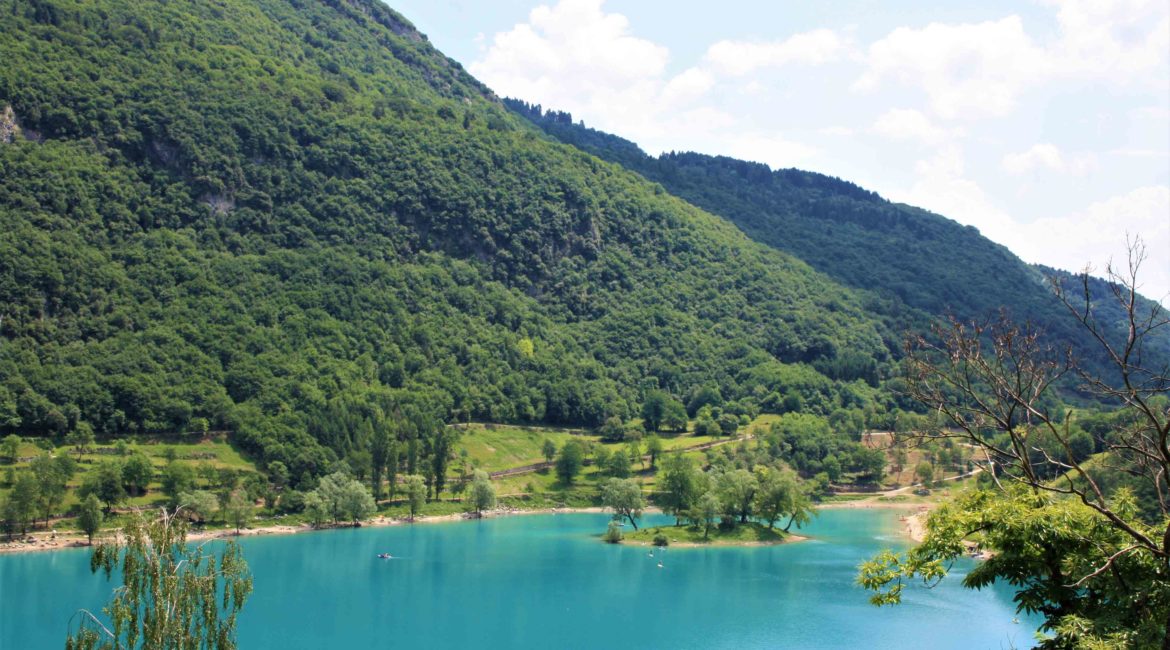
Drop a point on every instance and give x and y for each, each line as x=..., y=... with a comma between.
x=613, y=534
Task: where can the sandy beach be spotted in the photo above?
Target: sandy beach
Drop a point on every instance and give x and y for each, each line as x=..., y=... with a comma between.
x=56, y=541
x=914, y=526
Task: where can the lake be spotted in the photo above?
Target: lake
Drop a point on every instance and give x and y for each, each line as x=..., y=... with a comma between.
x=546, y=581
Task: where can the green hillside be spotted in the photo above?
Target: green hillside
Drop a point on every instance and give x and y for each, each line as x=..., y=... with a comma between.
x=298, y=222
x=913, y=264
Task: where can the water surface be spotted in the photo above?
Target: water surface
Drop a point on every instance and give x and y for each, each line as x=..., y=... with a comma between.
x=545, y=581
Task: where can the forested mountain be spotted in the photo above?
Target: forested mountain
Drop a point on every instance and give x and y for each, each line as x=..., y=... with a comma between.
x=913, y=263
x=298, y=221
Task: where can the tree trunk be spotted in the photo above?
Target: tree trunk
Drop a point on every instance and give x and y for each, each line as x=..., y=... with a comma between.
x=633, y=523
x=790, y=520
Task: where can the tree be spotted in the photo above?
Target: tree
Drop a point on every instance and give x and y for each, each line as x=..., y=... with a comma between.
x=343, y=496
x=441, y=440
x=548, y=450
x=570, y=461
x=382, y=444
x=177, y=478
x=654, y=449
x=105, y=484
x=679, y=485
x=90, y=517
x=10, y=446
x=728, y=424
x=355, y=502
x=800, y=510
x=22, y=501
x=704, y=396
x=612, y=430
x=736, y=491
x=617, y=464
x=924, y=472
x=674, y=417
x=704, y=512
x=416, y=494
x=278, y=474
x=900, y=458
x=634, y=453
x=238, y=511
x=1088, y=560
x=483, y=493
x=199, y=504
x=776, y=495
x=137, y=472
x=52, y=475
x=624, y=497
x=316, y=509
x=172, y=595
x=81, y=438
x=654, y=410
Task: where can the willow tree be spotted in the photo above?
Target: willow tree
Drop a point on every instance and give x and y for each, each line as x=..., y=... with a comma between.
x=1085, y=555
x=173, y=596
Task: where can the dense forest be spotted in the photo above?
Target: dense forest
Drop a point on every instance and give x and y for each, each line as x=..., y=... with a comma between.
x=298, y=222
x=912, y=265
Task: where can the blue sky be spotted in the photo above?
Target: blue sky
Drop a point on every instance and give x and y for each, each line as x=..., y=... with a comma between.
x=1046, y=124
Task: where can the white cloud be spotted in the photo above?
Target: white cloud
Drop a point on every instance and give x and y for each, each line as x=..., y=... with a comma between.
x=575, y=56
x=933, y=83
x=941, y=186
x=965, y=70
x=1140, y=153
x=686, y=86
x=569, y=54
x=1047, y=156
x=1119, y=39
x=909, y=124
x=836, y=131
x=981, y=70
x=752, y=87
x=1097, y=234
x=1092, y=236
x=771, y=149
x=739, y=58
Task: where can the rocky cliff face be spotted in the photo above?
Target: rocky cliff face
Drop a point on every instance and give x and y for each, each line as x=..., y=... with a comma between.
x=9, y=129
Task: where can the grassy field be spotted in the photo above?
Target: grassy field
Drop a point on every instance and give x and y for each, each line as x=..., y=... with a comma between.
x=207, y=456
x=495, y=447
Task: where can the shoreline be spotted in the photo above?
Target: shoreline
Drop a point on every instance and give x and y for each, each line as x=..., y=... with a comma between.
x=914, y=527
x=49, y=541
x=790, y=538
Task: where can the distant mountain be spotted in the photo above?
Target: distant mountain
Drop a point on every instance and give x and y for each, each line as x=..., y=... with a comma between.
x=914, y=264
x=299, y=221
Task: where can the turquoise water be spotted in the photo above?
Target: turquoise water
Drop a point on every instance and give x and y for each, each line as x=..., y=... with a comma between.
x=543, y=581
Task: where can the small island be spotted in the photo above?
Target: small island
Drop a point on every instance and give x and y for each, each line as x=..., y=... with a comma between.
x=751, y=533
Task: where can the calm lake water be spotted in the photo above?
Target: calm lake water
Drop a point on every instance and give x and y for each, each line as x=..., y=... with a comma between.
x=544, y=581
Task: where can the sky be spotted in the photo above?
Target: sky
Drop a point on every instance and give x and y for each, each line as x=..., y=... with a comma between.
x=1046, y=125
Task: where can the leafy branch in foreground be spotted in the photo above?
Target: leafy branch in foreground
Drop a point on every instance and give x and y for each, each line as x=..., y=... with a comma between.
x=173, y=596
x=1064, y=529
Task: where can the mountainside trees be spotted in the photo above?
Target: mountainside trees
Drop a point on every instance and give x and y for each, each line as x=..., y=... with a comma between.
x=911, y=264
x=281, y=212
